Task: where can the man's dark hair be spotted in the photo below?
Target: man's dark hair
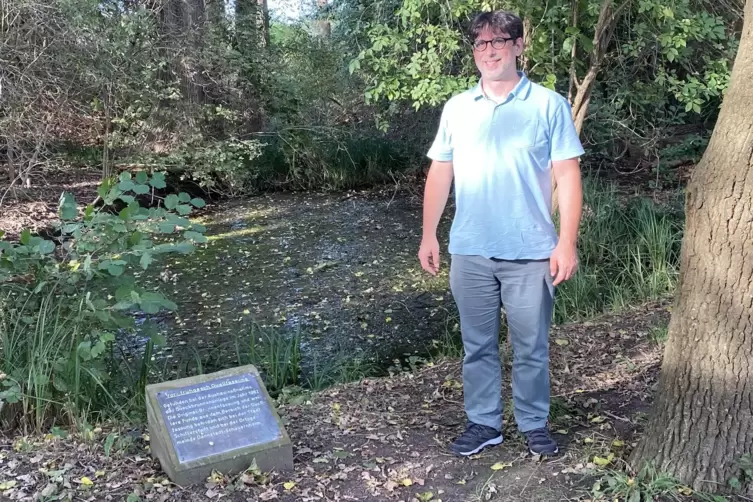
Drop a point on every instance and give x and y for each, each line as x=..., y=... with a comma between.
x=498, y=20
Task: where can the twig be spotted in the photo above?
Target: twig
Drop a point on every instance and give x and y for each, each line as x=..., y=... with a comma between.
x=621, y=419
x=529, y=479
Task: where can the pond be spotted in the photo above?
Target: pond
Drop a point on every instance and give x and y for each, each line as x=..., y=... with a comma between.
x=339, y=270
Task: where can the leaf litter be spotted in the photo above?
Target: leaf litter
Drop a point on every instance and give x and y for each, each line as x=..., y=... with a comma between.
x=383, y=439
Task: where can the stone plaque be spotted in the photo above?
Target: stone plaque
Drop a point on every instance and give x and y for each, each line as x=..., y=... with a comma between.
x=221, y=421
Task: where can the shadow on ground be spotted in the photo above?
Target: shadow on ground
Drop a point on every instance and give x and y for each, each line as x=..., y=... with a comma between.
x=384, y=439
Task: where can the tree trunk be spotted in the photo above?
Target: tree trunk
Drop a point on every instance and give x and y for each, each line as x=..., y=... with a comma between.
x=252, y=18
x=702, y=420
x=321, y=26
x=603, y=33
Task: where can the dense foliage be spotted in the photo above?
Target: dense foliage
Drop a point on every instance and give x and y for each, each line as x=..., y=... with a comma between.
x=236, y=104
x=666, y=64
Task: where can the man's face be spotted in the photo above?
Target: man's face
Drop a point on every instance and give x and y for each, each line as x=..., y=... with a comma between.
x=495, y=63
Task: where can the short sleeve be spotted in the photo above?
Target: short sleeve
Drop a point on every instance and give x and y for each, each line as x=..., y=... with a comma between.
x=564, y=142
x=441, y=148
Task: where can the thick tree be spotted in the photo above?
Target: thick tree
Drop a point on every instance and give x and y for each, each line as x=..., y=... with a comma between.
x=702, y=421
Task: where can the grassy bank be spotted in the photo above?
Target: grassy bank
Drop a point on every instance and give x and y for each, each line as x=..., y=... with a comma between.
x=59, y=369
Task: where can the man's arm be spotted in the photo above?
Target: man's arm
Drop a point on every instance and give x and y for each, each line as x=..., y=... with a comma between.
x=436, y=193
x=564, y=260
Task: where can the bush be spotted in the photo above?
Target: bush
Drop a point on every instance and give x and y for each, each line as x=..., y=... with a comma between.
x=63, y=299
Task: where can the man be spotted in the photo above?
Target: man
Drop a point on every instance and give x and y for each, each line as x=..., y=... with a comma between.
x=500, y=141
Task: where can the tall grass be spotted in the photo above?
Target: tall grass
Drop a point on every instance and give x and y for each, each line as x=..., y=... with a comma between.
x=277, y=355
x=629, y=252
x=53, y=369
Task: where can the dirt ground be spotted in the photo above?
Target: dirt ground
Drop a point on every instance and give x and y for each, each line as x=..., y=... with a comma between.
x=385, y=439
x=36, y=207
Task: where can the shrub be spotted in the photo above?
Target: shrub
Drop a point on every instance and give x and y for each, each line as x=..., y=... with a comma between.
x=62, y=299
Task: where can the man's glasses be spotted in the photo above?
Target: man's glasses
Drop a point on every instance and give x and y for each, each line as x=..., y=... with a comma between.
x=497, y=43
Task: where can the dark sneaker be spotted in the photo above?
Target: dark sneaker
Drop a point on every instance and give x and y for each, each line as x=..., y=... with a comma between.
x=540, y=442
x=475, y=438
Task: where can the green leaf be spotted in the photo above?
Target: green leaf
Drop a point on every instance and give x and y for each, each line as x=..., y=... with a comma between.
x=115, y=270
x=123, y=293
x=125, y=176
x=183, y=209
x=89, y=212
x=166, y=228
x=195, y=236
x=46, y=247
x=198, y=203
x=158, y=181
x=158, y=340
x=151, y=302
x=146, y=260
x=104, y=188
x=85, y=350
x=67, y=207
x=135, y=238
x=126, y=186
x=171, y=201
x=141, y=189
x=178, y=220
x=184, y=197
x=109, y=441
x=25, y=236
x=185, y=248
x=128, y=199
x=142, y=177
x=355, y=64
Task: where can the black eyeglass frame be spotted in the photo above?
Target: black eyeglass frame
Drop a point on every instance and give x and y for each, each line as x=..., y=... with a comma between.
x=495, y=43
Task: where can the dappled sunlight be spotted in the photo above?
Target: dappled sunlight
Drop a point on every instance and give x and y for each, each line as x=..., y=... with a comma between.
x=247, y=211
x=241, y=232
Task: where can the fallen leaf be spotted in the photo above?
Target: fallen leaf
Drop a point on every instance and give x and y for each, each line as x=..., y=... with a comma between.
x=7, y=485
x=406, y=482
x=685, y=490
x=601, y=462
x=289, y=485
x=86, y=481
x=597, y=420
x=617, y=443
x=499, y=466
x=425, y=497
x=561, y=341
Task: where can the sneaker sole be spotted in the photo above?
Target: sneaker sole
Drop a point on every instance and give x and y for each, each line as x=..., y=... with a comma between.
x=545, y=454
x=491, y=442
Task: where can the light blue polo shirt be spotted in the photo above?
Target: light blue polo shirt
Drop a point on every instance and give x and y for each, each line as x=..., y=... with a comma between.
x=501, y=155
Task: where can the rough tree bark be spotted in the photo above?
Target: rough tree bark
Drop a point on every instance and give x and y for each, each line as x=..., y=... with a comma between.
x=702, y=419
x=253, y=15
x=322, y=27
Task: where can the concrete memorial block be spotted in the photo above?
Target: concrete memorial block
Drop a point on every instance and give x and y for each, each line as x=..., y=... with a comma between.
x=221, y=421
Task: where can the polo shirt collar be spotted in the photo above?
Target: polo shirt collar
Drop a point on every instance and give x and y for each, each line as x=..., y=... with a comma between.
x=521, y=90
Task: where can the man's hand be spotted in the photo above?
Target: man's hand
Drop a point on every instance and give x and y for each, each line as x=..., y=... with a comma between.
x=563, y=263
x=428, y=253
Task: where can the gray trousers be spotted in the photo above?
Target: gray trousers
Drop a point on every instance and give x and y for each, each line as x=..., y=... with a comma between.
x=480, y=286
